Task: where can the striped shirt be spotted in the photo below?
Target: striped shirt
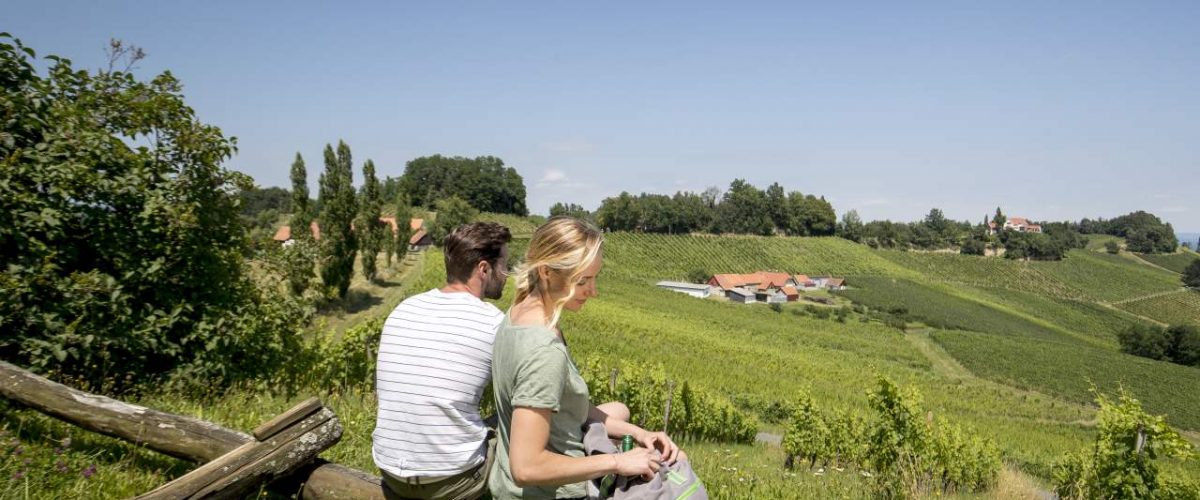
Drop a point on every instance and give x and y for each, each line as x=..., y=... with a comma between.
x=435, y=358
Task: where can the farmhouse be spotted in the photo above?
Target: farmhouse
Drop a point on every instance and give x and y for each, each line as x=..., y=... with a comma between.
x=772, y=287
x=740, y=295
x=1018, y=224
x=420, y=240
x=695, y=290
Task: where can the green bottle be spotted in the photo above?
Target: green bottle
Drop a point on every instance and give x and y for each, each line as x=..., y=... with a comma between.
x=626, y=442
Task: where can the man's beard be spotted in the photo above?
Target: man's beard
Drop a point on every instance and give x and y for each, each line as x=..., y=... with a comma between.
x=494, y=288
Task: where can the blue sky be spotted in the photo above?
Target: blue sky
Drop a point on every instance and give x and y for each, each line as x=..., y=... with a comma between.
x=1053, y=110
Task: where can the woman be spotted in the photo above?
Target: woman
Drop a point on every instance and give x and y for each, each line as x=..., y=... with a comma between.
x=541, y=399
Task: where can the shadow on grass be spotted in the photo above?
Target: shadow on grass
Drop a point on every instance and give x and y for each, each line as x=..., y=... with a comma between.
x=354, y=301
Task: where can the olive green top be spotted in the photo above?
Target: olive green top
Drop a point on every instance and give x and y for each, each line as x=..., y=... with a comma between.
x=532, y=368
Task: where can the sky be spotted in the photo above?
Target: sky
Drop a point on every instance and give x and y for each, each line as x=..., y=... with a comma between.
x=1050, y=110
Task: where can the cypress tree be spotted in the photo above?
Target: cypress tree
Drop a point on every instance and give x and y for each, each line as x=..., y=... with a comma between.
x=403, y=226
x=338, y=208
x=371, y=231
x=301, y=214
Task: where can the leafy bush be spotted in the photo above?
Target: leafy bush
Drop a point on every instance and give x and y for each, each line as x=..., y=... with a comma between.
x=695, y=413
x=452, y=212
x=1112, y=247
x=909, y=454
x=1121, y=462
x=1191, y=274
x=1177, y=343
x=121, y=248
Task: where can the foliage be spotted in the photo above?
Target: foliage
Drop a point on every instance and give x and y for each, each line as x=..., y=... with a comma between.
x=338, y=209
x=1122, y=460
x=451, y=213
x=1143, y=232
x=695, y=413
x=1191, y=274
x=1112, y=247
x=372, y=232
x=121, y=250
x=483, y=182
x=404, y=231
x=909, y=453
x=1178, y=344
x=256, y=200
x=571, y=210
x=301, y=211
x=851, y=227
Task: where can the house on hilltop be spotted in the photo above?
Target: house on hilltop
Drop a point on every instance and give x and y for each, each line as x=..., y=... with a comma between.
x=1018, y=224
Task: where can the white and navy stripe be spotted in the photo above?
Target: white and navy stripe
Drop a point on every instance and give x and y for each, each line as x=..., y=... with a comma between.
x=435, y=359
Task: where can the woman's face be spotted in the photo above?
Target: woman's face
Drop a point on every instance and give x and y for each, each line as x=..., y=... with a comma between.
x=585, y=288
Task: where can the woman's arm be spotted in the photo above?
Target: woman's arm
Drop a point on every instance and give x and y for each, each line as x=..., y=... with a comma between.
x=653, y=440
x=534, y=465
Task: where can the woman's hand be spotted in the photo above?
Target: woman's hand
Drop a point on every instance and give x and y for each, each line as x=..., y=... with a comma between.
x=662, y=443
x=643, y=462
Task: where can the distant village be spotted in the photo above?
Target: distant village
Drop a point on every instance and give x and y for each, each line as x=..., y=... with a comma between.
x=763, y=286
x=419, y=240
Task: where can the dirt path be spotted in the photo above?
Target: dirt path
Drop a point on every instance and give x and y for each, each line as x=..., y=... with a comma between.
x=942, y=362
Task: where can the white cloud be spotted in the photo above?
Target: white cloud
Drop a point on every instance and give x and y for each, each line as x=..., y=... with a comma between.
x=553, y=176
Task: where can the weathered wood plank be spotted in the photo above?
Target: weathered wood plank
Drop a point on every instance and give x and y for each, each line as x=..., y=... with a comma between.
x=178, y=436
x=256, y=462
x=181, y=437
x=281, y=421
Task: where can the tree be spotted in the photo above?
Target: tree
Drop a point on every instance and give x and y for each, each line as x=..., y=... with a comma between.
x=1112, y=247
x=404, y=229
x=301, y=214
x=1191, y=274
x=484, y=182
x=998, y=220
x=973, y=246
x=338, y=208
x=851, y=227
x=570, y=210
x=121, y=248
x=371, y=229
x=743, y=210
x=619, y=213
x=1184, y=346
x=777, y=206
x=1144, y=340
x=451, y=213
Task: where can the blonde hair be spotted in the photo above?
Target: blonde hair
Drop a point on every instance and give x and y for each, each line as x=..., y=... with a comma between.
x=566, y=246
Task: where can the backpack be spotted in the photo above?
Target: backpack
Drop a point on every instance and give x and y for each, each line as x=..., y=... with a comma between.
x=672, y=482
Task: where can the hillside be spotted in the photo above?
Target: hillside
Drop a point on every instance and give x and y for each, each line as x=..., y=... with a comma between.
x=1034, y=336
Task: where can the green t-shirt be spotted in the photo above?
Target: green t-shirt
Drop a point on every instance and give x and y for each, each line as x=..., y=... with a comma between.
x=532, y=368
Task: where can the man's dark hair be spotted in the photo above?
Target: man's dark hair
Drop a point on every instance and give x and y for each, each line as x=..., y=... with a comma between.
x=470, y=243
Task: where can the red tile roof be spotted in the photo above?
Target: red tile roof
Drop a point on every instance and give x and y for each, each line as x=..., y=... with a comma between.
x=416, y=237
x=284, y=233
x=416, y=224
x=790, y=291
x=835, y=281
x=772, y=279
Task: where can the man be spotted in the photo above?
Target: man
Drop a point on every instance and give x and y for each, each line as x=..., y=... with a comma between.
x=435, y=358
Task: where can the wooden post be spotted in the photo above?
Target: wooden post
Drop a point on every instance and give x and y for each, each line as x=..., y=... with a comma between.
x=667, y=414
x=298, y=436
x=178, y=436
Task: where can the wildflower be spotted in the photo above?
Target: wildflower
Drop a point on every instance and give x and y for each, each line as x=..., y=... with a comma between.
x=60, y=466
x=89, y=471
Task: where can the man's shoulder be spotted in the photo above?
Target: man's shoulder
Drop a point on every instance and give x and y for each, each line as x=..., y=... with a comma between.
x=435, y=301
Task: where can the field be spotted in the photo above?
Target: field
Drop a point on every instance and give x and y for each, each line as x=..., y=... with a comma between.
x=1011, y=353
x=1174, y=261
x=1182, y=306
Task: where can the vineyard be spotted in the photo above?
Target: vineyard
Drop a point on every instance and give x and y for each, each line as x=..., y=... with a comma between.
x=1174, y=261
x=1070, y=369
x=1180, y=307
x=1105, y=277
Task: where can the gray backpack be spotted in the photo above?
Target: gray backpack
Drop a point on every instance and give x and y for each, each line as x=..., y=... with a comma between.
x=673, y=482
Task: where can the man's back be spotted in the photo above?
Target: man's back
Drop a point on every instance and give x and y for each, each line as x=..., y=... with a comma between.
x=434, y=362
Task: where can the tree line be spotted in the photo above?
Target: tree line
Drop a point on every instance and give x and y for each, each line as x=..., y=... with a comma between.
x=1143, y=232
x=741, y=209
